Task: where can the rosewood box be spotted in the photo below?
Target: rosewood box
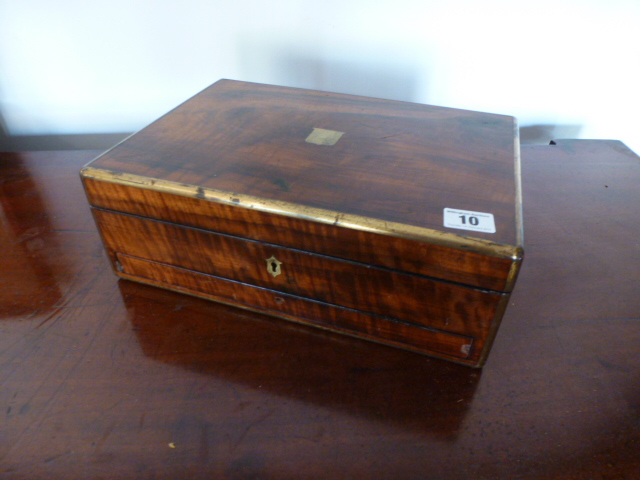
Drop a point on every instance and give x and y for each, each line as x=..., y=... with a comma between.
x=390, y=221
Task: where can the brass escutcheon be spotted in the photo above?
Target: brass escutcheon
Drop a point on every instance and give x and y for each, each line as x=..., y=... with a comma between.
x=273, y=266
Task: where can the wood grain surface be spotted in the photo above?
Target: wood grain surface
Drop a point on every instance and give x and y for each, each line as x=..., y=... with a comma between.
x=382, y=292
x=397, y=162
x=101, y=378
x=377, y=328
x=370, y=171
x=403, y=254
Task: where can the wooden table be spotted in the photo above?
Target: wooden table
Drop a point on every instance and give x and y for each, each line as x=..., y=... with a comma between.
x=108, y=379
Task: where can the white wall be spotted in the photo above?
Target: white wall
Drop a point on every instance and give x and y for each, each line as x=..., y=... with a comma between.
x=564, y=68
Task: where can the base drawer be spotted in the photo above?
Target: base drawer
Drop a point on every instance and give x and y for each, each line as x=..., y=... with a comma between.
x=319, y=314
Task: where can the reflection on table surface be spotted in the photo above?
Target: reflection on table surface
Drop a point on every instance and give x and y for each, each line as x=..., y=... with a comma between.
x=101, y=378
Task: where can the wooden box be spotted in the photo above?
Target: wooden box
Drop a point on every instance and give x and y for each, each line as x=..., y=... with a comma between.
x=390, y=221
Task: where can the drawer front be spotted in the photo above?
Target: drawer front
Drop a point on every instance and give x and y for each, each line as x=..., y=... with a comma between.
x=383, y=292
x=351, y=322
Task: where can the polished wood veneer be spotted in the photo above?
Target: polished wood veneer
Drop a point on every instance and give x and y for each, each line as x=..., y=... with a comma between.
x=346, y=194
x=396, y=162
x=404, y=254
x=307, y=275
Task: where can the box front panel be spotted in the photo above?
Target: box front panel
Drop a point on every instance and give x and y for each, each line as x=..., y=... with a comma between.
x=384, y=294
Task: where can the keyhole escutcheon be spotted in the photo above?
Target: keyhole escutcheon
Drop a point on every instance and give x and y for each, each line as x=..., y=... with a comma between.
x=273, y=266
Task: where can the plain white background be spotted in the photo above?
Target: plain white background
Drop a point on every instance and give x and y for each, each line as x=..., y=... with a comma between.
x=564, y=68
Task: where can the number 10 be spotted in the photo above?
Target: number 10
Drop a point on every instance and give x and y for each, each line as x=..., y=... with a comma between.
x=472, y=220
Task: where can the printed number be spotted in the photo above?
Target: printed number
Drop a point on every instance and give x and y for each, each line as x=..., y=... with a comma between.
x=472, y=220
x=469, y=220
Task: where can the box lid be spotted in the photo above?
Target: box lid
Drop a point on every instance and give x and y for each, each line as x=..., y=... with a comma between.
x=391, y=167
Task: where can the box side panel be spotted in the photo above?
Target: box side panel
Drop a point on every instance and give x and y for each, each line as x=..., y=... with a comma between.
x=402, y=254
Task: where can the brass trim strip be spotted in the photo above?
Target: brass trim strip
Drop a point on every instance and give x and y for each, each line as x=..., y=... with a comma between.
x=515, y=266
x=518, y=184
x=314, y=214
x=493, y=329
x=514, y=270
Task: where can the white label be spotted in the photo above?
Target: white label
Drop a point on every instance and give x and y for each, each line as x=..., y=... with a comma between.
x=466, y=220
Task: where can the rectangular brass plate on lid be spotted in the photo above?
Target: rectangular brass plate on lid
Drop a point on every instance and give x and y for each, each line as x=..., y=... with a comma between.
x=320, y=136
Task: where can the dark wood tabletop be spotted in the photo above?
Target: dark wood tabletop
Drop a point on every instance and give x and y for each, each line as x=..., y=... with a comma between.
x=101, y=378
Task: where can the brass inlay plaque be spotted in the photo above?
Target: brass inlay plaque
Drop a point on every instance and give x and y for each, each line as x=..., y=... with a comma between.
x=320, y=136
